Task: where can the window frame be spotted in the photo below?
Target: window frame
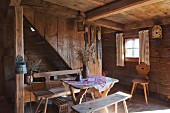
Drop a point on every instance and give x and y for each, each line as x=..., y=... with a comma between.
x=130, y=59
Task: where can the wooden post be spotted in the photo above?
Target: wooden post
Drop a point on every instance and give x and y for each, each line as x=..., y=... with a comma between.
x=19, y=50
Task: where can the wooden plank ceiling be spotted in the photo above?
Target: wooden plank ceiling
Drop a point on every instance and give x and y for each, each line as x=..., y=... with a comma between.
x=116, y=14
x=82, y=5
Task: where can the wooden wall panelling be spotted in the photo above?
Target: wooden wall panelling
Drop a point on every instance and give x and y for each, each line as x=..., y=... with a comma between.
x=63, y=36
x=2, y=80
x=29, y=13
x=75, y=43
x=34, y=47
x=80, y=43
x=159, y=61
x=51, y=30
x=70, y=38
x=40, y=22
x=8, y=57
x=63, y=39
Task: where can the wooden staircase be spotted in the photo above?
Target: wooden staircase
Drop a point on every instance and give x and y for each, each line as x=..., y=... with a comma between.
x=35, y=42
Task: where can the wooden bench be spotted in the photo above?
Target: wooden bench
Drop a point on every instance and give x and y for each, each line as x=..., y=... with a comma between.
x=94, y=105
x=49, y=91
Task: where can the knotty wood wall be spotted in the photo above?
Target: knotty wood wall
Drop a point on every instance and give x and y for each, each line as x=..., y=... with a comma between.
x=8, y=57
x=159, y=60
x=35, y=51
x=2, y=83
x=62, y=34
x=3, y=13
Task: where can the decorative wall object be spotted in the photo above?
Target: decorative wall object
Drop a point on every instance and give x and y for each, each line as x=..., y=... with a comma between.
x=99, y=45
x=80, y=26
x=80, y=22
x=86, y=35
x=156, y=31
x=92, y=40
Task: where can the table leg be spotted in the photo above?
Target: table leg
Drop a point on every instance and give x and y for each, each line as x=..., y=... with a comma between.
x=115, y=107
x=78, y=99
x=104, y=93
x=125, y=106
x=45, y=107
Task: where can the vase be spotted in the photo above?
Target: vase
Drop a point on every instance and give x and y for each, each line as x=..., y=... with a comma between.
x=85, y=72
x=29, y=79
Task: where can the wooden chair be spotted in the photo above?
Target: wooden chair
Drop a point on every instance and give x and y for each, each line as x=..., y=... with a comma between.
x=142, y=70
x=50, y=91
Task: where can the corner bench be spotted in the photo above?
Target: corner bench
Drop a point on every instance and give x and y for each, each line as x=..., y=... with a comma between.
x=50, y=92
x=94, y=105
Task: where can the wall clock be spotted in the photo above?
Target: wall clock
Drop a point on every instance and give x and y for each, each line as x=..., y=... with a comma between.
x=156, y=31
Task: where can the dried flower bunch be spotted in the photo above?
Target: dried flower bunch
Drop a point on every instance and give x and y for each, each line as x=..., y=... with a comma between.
x=32, y=64
x=85, y=55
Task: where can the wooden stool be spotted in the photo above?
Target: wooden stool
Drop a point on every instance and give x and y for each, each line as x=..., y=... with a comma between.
x=144, y=83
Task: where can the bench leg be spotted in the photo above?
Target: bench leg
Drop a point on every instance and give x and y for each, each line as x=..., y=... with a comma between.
x=45, y=107
x=40, y=101
x=115, y=107
x=125, y=106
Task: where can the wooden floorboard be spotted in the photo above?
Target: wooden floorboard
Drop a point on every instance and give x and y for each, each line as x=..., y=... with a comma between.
x=5, y=107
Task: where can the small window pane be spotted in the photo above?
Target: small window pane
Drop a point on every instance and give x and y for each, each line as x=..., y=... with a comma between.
x=136, y=53
x=128, y=53
x=131, y=48
x=136, y=43
x=128, y=43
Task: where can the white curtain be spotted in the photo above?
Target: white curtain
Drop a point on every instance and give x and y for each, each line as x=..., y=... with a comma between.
x=119, y=49
x=144, y=47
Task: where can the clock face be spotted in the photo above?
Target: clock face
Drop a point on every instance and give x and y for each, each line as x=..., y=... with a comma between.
x=157, y=31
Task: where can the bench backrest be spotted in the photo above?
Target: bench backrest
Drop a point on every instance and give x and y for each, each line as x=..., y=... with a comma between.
x=47, y=75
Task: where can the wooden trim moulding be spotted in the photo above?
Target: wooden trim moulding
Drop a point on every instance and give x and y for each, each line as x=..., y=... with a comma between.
x=146, y=23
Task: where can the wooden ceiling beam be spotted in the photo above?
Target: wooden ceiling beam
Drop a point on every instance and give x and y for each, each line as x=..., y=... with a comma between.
x=106, y=30
x=147, y=23
x=116, y=7
x=109, y=24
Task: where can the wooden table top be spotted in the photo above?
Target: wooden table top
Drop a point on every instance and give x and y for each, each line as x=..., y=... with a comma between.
x=90, y=82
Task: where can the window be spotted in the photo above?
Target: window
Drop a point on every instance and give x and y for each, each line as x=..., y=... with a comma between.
x=131, y=48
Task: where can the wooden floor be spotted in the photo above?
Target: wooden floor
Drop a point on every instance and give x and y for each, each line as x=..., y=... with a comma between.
x=5, y=107
x=135, y=105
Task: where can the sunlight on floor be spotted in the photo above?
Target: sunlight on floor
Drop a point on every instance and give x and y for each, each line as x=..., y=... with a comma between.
x=155, y=111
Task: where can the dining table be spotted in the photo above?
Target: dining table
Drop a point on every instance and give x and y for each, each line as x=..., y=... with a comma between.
x=101, y=85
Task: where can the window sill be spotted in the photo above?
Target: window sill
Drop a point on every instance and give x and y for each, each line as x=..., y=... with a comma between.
x=132, y=59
